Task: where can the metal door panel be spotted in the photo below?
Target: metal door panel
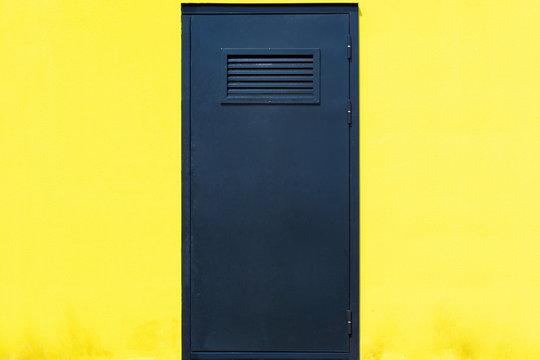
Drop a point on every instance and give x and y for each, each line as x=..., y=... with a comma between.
x=269, y=194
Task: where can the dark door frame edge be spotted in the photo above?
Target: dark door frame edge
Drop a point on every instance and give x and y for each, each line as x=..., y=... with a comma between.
x=189, y=10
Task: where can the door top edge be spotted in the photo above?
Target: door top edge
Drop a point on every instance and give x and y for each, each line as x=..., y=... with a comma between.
x=223, y=9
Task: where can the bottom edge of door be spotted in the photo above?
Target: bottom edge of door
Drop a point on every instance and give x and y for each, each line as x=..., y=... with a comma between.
x=268, y=355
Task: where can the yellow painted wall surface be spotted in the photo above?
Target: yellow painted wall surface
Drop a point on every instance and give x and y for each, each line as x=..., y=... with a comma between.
x=90, y=179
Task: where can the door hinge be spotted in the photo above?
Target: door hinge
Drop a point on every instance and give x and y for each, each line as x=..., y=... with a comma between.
x=349, y=322
x=349, y=112
x=349, y=47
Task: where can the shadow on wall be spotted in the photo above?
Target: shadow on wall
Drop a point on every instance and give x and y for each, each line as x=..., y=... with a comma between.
x=74, y=342
x=440, y=334
x=157, y=336
x=447, y=336
x=158, y=339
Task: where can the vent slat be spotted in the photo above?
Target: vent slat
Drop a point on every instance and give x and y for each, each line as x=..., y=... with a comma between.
x=270, y=84
x=269, y=78
x=308, y=58
x=271, y=72
x=269, y=97
x=271, y=66
x=270, y=91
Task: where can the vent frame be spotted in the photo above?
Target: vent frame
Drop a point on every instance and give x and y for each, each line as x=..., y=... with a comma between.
x=279, y=95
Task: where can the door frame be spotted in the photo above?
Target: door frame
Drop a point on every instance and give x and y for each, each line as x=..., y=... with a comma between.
x=189, y=10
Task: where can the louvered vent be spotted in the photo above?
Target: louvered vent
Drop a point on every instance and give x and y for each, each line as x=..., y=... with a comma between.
x=271, y=76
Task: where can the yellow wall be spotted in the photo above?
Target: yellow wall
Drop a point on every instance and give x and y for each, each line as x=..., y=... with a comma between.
x=450, y=164
x=90, y=179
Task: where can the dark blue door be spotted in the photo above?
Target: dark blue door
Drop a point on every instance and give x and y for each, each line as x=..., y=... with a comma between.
x=269, y=183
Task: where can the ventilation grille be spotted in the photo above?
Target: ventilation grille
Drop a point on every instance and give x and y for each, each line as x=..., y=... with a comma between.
x=272, y=76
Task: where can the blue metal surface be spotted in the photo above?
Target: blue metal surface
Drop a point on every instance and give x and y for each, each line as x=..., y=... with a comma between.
x=270, y=233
